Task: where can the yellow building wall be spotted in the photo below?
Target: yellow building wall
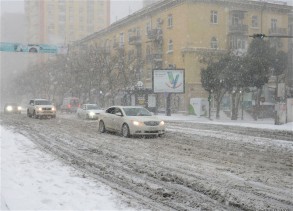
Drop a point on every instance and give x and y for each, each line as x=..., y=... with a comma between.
x=193, y=30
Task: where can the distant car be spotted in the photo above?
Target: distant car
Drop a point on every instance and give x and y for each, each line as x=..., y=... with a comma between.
x=12, y=108
x=70, y=105
x=38, y=108
x=130, y=120
x=89, y=111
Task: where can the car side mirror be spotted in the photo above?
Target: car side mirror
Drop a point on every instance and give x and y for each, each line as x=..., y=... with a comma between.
x=119, y=114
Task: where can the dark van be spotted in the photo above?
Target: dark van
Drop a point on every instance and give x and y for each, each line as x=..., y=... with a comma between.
x=70, y=104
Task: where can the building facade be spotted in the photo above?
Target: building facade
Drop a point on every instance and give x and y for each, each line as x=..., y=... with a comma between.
x=146, y=3
x=64, y=21
x=289, y=77
x=178, y=34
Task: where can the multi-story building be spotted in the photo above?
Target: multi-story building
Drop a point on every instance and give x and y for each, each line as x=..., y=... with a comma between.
x=63, y=21
x=12, y=28
x=174, y=33
x=149, y=2
x=289, y=77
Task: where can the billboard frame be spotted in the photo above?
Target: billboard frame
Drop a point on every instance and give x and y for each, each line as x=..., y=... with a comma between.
x=168, y=91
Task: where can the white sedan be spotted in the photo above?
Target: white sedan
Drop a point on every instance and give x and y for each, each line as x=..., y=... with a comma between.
x=89, y=111
x=130, y=120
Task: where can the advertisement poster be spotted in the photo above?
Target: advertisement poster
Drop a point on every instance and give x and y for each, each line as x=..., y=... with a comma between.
x=199, y=107
x=168, y=81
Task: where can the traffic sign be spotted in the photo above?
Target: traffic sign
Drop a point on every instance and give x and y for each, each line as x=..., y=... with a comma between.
x=33, y=48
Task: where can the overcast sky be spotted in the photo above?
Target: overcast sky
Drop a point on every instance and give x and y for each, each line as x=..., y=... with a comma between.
x=119, y=8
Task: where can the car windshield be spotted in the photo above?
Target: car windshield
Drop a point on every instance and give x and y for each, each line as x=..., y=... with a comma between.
x=92, y=107
x=43, y=102
x=136, y=112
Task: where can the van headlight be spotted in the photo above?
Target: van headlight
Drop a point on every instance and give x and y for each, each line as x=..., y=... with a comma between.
x=53, y=109
x=162, y=123
x=39, y=109
x=92, y=114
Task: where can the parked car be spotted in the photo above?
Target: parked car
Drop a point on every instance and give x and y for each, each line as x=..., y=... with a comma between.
x=89, y=111
x=38, y=108
x=130, y=120
x=70, y=105
x=12, y=108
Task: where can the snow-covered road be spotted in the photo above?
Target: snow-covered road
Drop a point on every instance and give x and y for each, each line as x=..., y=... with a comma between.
x=196, y=166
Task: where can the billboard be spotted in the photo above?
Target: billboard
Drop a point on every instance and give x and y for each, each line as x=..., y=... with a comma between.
x=169, y=81
x=33, y=48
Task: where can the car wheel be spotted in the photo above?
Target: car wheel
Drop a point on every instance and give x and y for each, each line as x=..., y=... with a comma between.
x=102, y=127
x=125, y=130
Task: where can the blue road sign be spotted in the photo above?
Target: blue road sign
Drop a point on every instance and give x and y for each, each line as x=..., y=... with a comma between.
x=33, y=48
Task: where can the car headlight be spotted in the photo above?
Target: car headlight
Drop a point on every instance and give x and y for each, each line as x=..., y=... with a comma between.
x=92, y=114
x=137, y=123
x=9, y=108
x=19, y=108
x=39, y=109
x=162, y=123
x=53, y=109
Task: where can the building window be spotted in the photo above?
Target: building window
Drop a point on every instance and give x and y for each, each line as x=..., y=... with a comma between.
x=214, y=16
x=170, y=21
x=214, y=43
x=51, y=27
x=138, y=32
x=170, y=46
x=148, y=50
x=71, y=18
x=254, y=21
x=121, y=40
x=62, y=18
x=237, y=43
x=236, y=19
x=148, y=27
x=273, y=25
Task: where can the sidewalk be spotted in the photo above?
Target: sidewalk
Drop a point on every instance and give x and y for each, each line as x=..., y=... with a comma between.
x=224, y=120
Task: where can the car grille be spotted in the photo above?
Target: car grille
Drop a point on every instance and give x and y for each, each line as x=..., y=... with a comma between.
x=46, y=109
x=152, y=123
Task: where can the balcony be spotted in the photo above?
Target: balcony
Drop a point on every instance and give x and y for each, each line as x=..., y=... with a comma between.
x=155, y=34
x=278, y=31
x=238, y=28
x=117, y=45
x=134, y=40
x=156, y=57
x=103, y=50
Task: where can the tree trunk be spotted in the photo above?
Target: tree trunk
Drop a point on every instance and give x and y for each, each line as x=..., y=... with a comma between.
x=238, y=95
x=218, y=110
x=257, y=103
x=276, y=101
x=234, y=114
